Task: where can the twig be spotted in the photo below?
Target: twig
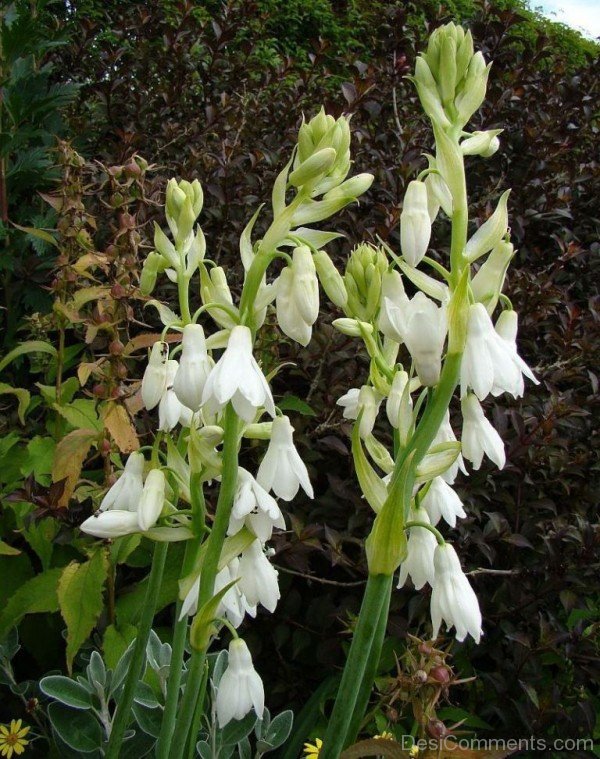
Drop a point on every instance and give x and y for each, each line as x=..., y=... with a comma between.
x=322, y=580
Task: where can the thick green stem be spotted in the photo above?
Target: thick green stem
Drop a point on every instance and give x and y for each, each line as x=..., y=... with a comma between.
x=183, y=284
x=378, y=588
x=366, y=686
x=123, y=712
x=172, y=701
x=214, y=546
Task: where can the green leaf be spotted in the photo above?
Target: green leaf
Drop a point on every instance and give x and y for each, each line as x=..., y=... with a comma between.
x=280, y=728
x=34, y=596
x=148, y=719
x=40, y=456
x=116, y=642
x=80, y=599
x=40, y=536
x=6, y=550
x=237, y=730
x=23, y=397
x=67, y=691
x=203, y=627
x=293, y=403
x=30, y=346
x=81, y=414
x=78, y=729
x=41, y=234
x=96, y=671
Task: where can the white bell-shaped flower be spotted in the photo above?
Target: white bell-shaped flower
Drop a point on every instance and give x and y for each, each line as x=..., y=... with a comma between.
x=154, y=381
x=392, y=290
x=238, y=378
x=452, y=598
x=125, y=494
x=424, y=331
x=233, y=605
x=415, y=223
x=171, y=410
x=282, y=470
x=488, y=364
x=479, y=437
x=240, y=688
x=289, y=317
x=419, y=558
x=442, y=502
x=254, y=507
x=445, y=434
x=194, y=367
x=365, y=399
x=258, y=578
x=507, y=326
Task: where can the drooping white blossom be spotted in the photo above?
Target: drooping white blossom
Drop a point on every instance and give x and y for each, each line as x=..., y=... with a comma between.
x=233, y=605
x=489, y=364
x=445, y=434
x=298, y=296
x=238, y=378
x=152, y=500
x=194, y=367
x=154, y=381
x=240, y=688
x=282, y=470
x=442, y=502
x=125, y=494
x=418, y=563
x=254, y=507
x=452, y=598
x=171, y=410
x=507, y=326
x=365, y=399
x=479, y=437
x=258, y=578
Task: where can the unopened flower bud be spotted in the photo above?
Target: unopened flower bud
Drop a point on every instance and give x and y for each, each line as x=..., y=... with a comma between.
x=318, y=164
x=491, y=232
x=152, y=500
x=363, y=277
x=481, y=143
x=351, y=327
x=473, y=90
x=415, y=224
x=331, y=280
x=487, y=284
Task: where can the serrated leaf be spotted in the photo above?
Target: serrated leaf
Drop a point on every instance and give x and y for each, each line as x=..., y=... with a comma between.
x=67, y=691
x=78, y=729
x=80, y=599
x=36, y=595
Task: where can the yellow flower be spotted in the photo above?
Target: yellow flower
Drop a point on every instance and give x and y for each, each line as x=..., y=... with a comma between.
x=413, y=751
x=385, y=736
x=312, y=750
x=13, y=740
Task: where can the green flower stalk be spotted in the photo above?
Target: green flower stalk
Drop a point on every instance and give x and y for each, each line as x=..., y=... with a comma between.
x=444, y=337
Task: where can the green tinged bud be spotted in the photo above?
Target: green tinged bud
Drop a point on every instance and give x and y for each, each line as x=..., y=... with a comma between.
x=463, y=57
x=449, y=162
x=153, y=265
x=331, y=280
x=317, y=165
x=473, y=91
x=491, y=232
x=428, y=93
x=165, y=247
x=447, y=75
x=352, y=327
x=487, y=284
x=364, y=273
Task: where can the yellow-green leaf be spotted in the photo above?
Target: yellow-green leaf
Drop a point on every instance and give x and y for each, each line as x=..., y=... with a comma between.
x=6, y=550
x=68, y=459
x=80, y=591
x=42, y=234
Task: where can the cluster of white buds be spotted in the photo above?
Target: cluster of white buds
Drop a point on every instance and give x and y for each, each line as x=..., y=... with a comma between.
x=449, y=318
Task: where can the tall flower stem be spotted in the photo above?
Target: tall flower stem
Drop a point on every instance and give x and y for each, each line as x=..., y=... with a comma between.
x=210, y=567
x=123, y=712
x=359, y=657
x=361, y=665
